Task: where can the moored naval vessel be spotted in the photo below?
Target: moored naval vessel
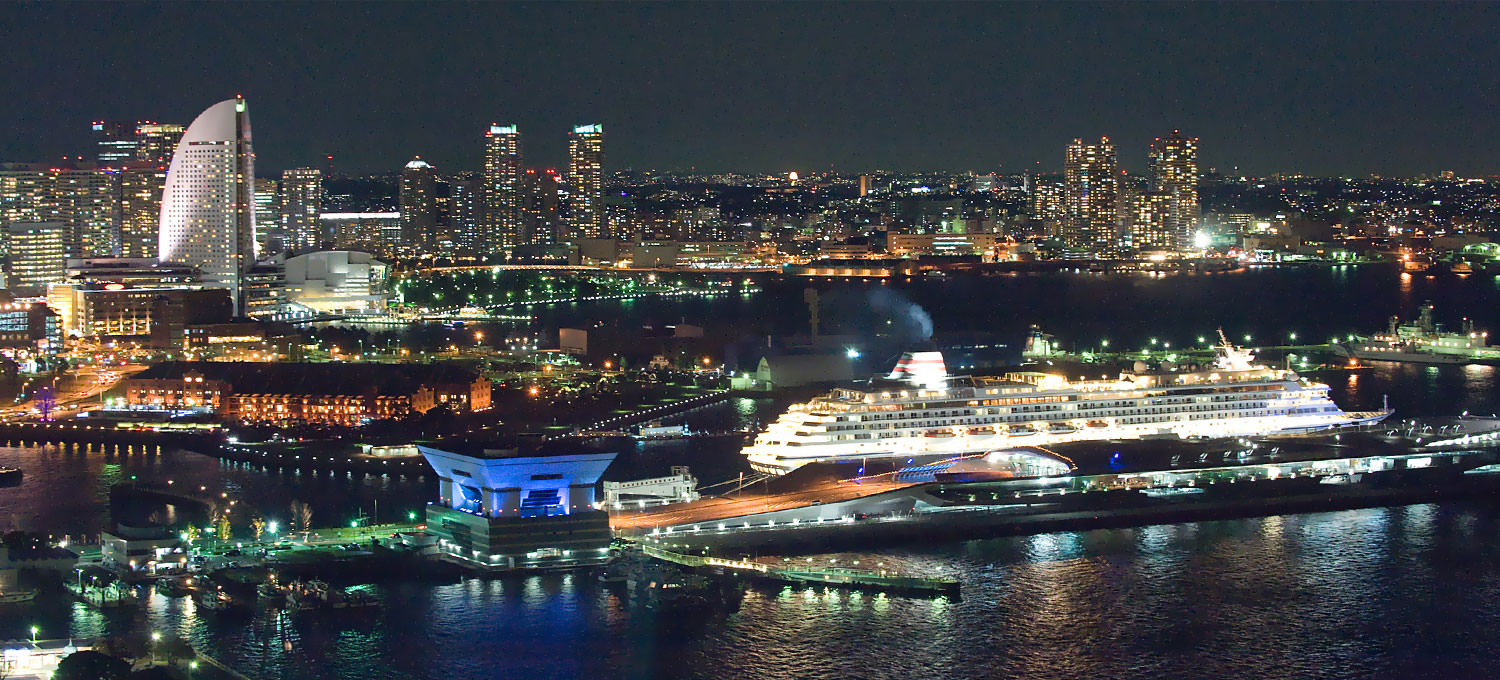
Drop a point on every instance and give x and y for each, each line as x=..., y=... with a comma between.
x=920, y=413
x=1425, y=342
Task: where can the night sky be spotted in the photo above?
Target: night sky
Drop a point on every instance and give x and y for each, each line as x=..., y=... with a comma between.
x=1319, y=88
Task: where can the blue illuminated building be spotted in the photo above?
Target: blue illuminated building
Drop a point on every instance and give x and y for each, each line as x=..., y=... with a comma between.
x=498, y=510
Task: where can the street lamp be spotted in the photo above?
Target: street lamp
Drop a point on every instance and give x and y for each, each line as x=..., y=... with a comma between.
x=34, y=631
x=155, y=638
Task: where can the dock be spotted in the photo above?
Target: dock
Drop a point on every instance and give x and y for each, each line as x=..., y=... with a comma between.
x=859, y=579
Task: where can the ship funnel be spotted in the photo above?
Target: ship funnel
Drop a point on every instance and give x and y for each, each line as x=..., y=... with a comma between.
x=921, y=368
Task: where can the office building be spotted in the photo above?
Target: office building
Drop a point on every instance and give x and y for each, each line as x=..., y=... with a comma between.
x=27, y=329
x=114, y=143
x=419, y=205
x=156, y=315
x=207, y=208
x=87, y=203
x=1174, y=173
x=301, y=204
x=37, y=256
x=586, y=182
x=23, y=195
x=155, y=142
x=502, y=187
x=1090, y=196
x=378, y=233
x=541, y=220
x=141, y=187
x=270, y=239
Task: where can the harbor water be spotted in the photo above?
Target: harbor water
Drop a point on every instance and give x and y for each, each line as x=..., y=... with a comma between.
x=1404, y=592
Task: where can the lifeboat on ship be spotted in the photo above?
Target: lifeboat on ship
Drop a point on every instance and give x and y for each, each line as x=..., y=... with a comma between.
x=981, y=432
x=938, y=433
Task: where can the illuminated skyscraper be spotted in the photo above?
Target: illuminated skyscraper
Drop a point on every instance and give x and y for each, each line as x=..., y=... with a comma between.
x=466, y=209
x=207, y=208
x=301, y=204
x=37, y=257
x=269, y=237
x=140, y=209
x=419, y=205
x=155, y=142
x=1174, y=170
x=86, y=202
x=502, y=186
x=586, y=181
x=1090, y=196
x=539, y=209
x=114, y=143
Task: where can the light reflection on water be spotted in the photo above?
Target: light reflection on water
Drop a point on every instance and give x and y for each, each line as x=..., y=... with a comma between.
x=1388, y=592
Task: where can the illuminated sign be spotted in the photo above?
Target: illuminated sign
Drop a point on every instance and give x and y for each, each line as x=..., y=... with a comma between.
x=503, y=129
x=595, y=129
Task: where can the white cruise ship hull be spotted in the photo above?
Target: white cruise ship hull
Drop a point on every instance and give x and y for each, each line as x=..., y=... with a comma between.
x=920, y=413
x=919, y=450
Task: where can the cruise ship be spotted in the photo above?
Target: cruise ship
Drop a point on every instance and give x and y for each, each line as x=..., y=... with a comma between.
x=919, y=413
x=1426, y=342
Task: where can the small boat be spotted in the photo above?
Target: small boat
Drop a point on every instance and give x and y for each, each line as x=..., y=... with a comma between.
x=981, y=432
x=214, y=600
x=174, y=587
x=1462, y=267
x=270, y=592
x=17, y=596
x=938, y=433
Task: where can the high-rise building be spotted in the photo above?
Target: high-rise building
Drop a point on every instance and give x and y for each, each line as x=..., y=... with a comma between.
x=1090, y=196
x=23, y=195
x=140, y=209
x=270, y=239
x=37, y=256
x=301, y=204
x=87, y=203
x=419, y=205
x=542, y=222
x=586, y=181
x=207, y=208
x=1174, y=170
x=114, y=143
x=466, y=211
x=502, y=186
x=155, y=142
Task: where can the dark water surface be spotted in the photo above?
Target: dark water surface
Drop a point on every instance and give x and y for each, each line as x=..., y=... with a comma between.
x=1409, y=592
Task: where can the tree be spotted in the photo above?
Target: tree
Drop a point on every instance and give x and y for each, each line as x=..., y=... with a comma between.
x=91, y=666
x=258, y=525
x=302, y=515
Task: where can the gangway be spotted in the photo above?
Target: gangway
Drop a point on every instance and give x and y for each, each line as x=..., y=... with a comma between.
x=844, y=577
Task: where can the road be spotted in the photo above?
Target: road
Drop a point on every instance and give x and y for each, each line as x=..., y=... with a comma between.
x=710, y=509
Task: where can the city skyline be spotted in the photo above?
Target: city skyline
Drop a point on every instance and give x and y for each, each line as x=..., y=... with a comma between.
x=982, y=87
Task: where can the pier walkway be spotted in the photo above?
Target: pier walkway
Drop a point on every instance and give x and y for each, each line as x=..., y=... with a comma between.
x=848, y=578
